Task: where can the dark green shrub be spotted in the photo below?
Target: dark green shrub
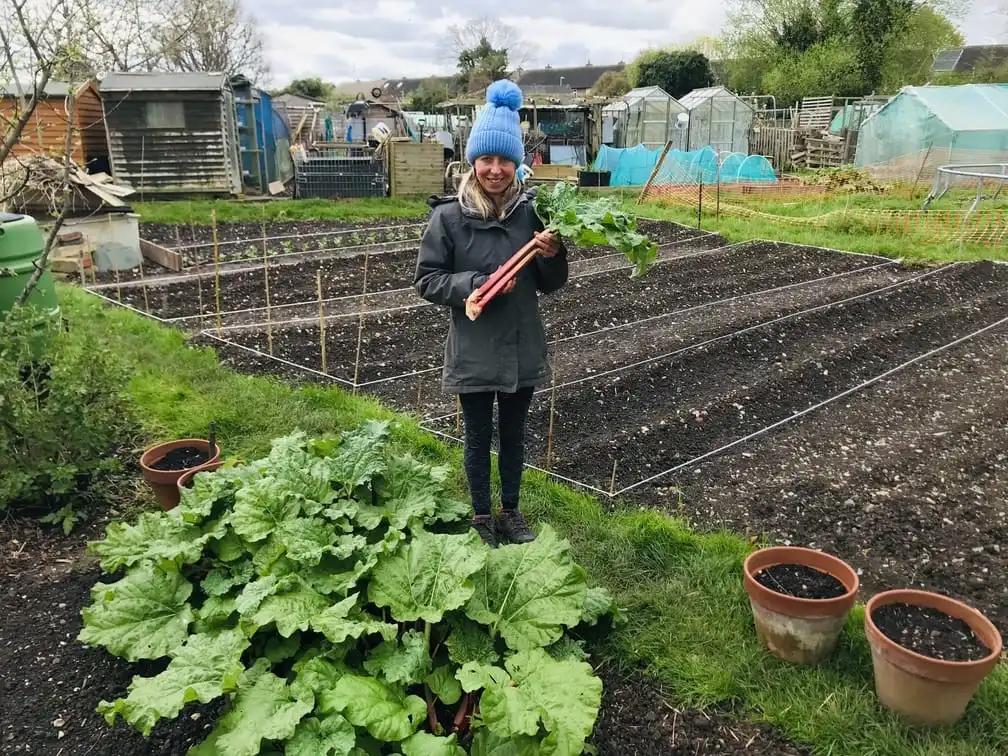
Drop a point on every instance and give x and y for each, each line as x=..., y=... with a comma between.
x=62, y=413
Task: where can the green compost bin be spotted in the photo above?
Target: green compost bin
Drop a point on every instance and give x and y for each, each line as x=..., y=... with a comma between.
x=21, y=245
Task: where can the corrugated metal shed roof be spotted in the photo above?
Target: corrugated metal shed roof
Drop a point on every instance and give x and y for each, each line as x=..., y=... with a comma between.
x=163, y=82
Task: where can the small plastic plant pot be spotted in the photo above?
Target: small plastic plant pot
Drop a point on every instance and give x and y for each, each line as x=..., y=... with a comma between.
x=164, y=483
x=920, y=689
x=798, y=630
x=186, y=479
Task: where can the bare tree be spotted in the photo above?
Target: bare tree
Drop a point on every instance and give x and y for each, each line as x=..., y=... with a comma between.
x=500, y=36
x=213, y=35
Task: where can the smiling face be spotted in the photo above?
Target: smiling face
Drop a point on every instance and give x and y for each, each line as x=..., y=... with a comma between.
x=495, y=174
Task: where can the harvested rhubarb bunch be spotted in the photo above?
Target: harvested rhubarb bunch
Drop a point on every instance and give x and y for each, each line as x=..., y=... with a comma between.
x=582, y=221
x=587, y=222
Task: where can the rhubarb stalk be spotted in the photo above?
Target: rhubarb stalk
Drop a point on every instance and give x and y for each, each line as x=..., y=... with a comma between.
x=499, y=279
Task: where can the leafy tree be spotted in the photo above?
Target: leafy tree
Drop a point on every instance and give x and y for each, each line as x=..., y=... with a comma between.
x=611, y=84
x=482, y=50
x=312, y=87
x=875, y=25
x=829, y=68
x=911, y=54
x=428, y=97
x=481, y=65
x=678, y=73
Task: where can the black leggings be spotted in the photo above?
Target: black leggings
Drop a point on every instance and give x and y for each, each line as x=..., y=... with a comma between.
x=477, y=411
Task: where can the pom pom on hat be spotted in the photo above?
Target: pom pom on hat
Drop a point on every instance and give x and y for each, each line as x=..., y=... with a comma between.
x=497, y=128
x=504, y=94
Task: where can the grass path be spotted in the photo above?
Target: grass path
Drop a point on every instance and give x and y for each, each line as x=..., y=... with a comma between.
x=689, y=618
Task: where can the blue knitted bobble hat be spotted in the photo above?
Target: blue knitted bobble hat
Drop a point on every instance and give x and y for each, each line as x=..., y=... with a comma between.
x=497, y=129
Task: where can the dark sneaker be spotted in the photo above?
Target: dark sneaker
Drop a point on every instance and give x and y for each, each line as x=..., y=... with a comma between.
x=484, y=527
x=511, y=526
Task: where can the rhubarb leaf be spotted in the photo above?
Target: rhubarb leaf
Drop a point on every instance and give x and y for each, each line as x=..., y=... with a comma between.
x=289, y=610
x=386, y=711
x=529, y=592
x=598, y=603
x=207, y=666
x=358, y=459
x=343, y=620
x=425, y=744
x=157, y=537
x=469, y=642
x=564, y=696
x=486, y=743
x=444, y=685
x=427, y=576
x=318, y=674
x=330, y=736
x=261, y=507
x=268, y=710
x=405, y=660
x=145, y=615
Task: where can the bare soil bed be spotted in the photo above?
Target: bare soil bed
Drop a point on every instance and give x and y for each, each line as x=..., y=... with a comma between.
x=405, y=341
x=243, y=283
x=50, y=684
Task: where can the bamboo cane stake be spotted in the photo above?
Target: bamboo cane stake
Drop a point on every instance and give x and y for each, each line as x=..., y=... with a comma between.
x=118, y=289
x=269, y=311
x=199, y=275
x=80, y=266
x=360, y=322
x=321, y=318
x=216, y=260
x=612, y=481
x=143, y=287
x=419, y=393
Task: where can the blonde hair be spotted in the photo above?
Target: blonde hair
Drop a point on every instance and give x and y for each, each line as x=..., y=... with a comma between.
x=474, y=198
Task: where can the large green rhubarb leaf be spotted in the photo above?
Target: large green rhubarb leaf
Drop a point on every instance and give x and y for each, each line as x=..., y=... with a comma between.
x=425, y=744
x=159, y=537
x=330, y=736
x=262, y=507
x=485, y=743
x=318, y=674
x=427, y=576
x=207, y=666
x=404, y=660
x=564, y=696
x=268, y=710
x=289, y=610
x=359, y=458
x=444, y=685
x=469, y=642
x=344, y=620
x=145, y=615
x=213, y=492
x=529, y=592
x=384, y=710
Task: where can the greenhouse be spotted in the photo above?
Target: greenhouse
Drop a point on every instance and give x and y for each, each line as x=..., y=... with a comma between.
x=717, y=119
x=647, y=116
x=922, y=128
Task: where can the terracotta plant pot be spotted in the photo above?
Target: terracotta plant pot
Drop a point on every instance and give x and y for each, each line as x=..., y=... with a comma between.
x=185, y=480
x=799, y=630
x=164, y=483
x=921, y=689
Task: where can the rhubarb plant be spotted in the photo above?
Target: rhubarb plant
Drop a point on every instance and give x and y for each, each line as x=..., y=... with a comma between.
x=334, y=596
x=587, y=222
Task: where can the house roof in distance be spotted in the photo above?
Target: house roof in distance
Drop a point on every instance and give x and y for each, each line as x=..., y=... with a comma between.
x=575, y=77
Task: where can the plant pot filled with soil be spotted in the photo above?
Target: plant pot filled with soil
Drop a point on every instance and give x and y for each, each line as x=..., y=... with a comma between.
x=930, y=653
x=799, y=599
x=164, y=464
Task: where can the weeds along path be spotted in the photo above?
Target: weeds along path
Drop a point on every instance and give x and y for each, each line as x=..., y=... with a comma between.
x=658, y=415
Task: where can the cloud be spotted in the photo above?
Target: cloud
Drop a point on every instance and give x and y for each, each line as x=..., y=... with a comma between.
x=346, y=40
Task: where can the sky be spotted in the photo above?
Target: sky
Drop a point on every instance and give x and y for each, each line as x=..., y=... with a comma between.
x=349, y=40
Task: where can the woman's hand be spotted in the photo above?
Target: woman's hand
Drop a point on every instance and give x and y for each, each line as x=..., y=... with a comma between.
x=547, y=243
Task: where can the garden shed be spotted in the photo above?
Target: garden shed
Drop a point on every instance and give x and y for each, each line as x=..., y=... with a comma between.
x=172, y=133
x=718, y=119
x=45, y=131
x=922, y=128
x=647, y=116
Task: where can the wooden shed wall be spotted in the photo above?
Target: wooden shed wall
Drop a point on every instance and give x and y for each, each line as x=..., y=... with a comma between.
x=91, y=122
x=416, y=168
x=194, y=158
x=45, y=131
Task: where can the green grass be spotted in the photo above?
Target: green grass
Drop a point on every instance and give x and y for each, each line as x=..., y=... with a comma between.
x=199, y=211
x=850, y=234
x=689, y=622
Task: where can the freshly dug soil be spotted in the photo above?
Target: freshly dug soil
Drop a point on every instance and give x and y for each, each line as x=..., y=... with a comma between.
x=929, y=632
x=638, y=718
x=182, y=459
x=800, y=581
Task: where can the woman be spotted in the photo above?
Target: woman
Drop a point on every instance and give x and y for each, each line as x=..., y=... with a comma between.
x=501, y=354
